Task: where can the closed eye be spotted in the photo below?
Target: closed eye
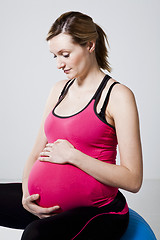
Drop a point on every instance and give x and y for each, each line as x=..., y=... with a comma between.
x=66, y=55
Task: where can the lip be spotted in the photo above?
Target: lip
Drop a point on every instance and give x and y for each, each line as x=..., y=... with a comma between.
x=67, y=70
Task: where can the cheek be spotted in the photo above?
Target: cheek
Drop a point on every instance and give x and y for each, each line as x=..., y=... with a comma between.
x=79, y=62
x=76, y=60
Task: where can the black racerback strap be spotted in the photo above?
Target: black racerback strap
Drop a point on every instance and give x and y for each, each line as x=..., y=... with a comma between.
x=65, y=88
x=103, y=109
x=101, y=87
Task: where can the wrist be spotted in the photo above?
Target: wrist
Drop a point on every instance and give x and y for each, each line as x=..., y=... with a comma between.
x=74, y=156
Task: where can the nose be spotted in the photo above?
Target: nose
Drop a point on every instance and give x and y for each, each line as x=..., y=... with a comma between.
x=60, y=64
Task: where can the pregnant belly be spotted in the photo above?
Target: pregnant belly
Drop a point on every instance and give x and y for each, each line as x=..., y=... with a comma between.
x=63, y=185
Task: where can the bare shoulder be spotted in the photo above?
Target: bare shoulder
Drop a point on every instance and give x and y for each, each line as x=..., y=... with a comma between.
x=120, y=98
x=57, y=87
x=54, y=94
x=61, y=83
x=121, y=92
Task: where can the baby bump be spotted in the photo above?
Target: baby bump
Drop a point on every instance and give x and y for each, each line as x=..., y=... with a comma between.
x=64, y=185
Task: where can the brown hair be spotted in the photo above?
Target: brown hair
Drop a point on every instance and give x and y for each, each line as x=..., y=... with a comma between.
x=82, y=29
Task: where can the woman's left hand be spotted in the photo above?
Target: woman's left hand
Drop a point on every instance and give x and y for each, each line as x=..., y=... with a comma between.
x=57, y=152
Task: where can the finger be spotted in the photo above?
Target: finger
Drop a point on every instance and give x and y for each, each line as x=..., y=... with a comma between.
x=40, y=210
x=47, y=149
x=48, y=211
x=32, y=198
x=44, y=154
x=54, y=208
x=44, y=159
x=51, y=209
x=49, y=144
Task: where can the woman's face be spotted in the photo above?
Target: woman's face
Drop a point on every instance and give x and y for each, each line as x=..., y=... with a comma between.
x=72, y=58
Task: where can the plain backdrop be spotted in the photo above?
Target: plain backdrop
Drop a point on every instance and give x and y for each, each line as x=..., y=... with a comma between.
x=28, y=70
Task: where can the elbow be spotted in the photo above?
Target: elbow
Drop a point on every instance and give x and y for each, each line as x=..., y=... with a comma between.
x=135, y=189
x=136, y=185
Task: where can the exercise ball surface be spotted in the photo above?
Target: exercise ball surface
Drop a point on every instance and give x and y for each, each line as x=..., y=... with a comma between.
x=138, y=228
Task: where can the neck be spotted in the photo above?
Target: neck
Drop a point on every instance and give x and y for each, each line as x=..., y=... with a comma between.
x=91, y=78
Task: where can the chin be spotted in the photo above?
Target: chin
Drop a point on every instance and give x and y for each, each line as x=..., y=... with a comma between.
x=68, y=76
x=71, y=76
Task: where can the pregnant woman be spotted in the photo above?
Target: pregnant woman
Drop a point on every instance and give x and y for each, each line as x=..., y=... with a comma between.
x=71, y=182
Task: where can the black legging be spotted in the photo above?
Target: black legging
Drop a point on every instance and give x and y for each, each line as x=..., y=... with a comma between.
x=86, y=223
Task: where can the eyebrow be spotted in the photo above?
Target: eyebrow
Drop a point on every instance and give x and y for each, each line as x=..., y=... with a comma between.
x=60, y=51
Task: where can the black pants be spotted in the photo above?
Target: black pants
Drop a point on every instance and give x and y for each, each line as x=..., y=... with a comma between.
x=83, y=223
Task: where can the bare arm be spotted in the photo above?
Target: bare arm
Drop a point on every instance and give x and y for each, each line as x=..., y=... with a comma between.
x=40, y=142
x=128, y=176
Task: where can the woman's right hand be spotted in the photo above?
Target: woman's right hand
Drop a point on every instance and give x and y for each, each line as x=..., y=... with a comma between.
x=30, y=205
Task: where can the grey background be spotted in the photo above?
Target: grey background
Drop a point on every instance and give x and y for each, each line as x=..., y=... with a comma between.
x=28, y=70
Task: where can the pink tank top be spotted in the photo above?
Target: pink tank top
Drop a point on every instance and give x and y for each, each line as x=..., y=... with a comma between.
x=66, y=185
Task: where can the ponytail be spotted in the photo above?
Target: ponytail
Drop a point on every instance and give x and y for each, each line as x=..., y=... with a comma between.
x=101, y=49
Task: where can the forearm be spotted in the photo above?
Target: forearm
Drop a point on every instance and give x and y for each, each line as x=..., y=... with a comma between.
x=28, y=166
x=109, y=174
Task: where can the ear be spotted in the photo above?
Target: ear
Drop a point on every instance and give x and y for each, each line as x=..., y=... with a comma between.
x=91, y=46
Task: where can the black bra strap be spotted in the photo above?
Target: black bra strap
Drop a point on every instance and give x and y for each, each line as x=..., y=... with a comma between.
x=101, y=87
x=103, y=109
x=65, y=88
